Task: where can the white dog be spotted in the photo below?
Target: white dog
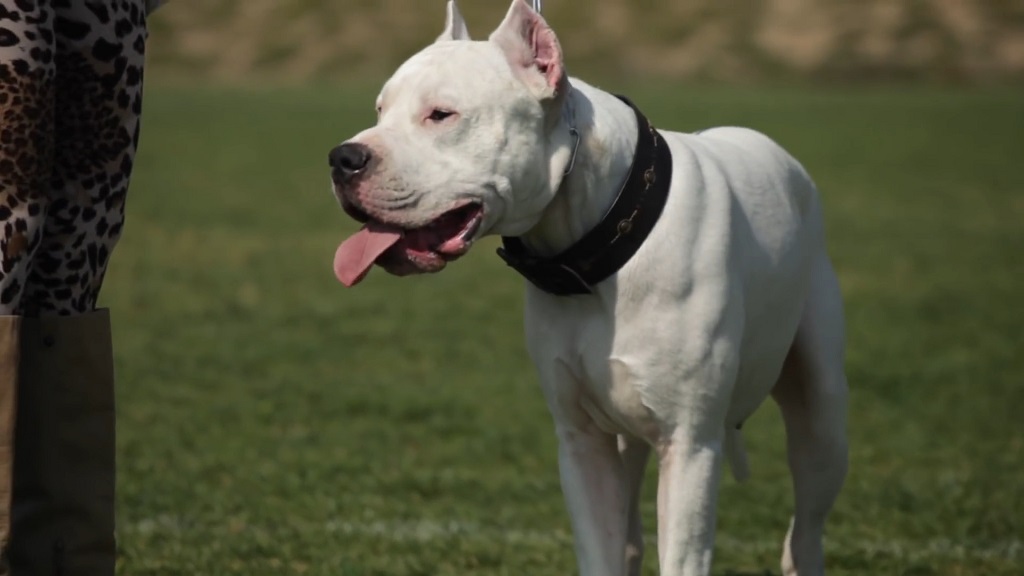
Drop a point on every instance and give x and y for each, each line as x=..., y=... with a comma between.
x=677, y=280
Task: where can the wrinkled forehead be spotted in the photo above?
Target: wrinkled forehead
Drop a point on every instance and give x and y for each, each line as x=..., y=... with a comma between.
x=449, y=70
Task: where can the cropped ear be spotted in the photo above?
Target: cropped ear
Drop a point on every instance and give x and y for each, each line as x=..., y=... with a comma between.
x=454, y=25
x=532, y=50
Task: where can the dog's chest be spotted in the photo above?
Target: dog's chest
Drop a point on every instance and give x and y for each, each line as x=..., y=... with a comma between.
x=611, y=396
x=587, y=375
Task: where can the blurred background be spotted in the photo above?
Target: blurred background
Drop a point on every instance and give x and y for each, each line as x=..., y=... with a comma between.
x=735, y=41
x=272, y=421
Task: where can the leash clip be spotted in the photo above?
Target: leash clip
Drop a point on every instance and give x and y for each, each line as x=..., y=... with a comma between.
x=536, y=6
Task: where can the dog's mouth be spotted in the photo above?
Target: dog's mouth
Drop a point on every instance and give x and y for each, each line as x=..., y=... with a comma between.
x=401, y=250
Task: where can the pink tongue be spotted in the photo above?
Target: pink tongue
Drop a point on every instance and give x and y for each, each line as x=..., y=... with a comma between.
x=356, y=255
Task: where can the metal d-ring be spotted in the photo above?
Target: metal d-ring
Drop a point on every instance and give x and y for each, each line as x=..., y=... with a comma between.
x=536, y=6
x=575, y=148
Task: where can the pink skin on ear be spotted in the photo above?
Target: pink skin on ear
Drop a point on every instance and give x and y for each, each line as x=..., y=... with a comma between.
x=548, y=54
x=533, y=43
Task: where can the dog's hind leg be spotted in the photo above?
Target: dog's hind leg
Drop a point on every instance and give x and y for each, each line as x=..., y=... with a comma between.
x=634, y=453
x=812, y=395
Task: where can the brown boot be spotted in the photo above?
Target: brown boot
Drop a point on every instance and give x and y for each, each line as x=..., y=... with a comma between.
x=63, y=500
x=10, y=328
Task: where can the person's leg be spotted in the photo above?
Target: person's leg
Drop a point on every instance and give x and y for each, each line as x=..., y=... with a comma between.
x=27, y=93
x=10, y=349
x=26, y=146
x=100, y=56
x=62, y=505
x=63, y=497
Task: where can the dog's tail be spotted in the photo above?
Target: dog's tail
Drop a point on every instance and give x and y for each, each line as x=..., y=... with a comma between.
x=736, y=454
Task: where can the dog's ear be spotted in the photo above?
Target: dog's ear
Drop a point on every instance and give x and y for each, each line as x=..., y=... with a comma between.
x=532, y=50
x=454, y=25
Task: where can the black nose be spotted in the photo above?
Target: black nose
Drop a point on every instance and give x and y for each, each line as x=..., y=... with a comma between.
x=349, y=159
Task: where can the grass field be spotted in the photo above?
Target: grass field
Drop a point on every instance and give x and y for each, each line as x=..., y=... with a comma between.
x=273, y=422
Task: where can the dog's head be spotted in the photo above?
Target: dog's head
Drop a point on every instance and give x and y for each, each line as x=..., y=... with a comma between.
x=469, y=141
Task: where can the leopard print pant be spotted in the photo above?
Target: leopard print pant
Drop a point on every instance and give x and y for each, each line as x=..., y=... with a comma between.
x=70, y=103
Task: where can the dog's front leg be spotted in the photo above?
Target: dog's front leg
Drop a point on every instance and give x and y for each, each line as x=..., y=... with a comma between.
x=634, y=453
x=689, y=468
x=690, y=459
x=593, y=482
x=593, y=476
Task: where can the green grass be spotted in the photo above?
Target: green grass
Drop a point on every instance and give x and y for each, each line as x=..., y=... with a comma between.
x=273, y=422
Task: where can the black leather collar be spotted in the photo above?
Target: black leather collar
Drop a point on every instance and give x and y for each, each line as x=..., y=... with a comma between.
x=609, y=245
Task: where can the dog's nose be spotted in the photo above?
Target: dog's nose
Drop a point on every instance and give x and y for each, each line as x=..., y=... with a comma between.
x=349, y=159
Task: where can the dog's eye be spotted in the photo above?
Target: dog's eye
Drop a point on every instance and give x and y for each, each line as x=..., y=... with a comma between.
x=440, y=115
